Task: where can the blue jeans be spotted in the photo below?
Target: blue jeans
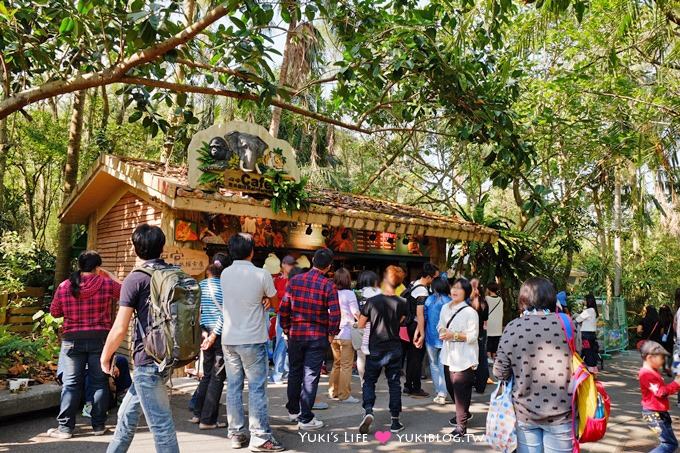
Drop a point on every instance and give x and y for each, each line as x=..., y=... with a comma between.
x=436, y=369
x=544, y=438
x=248, y=361
x=305, y=358
x=391, y=362
x=148, y=393
x=661, y=424
x=75, y=355
x=280, y=354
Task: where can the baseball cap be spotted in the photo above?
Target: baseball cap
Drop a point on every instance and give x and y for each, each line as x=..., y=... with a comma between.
x=289, y=259
x=652, y=348
x=562, y=298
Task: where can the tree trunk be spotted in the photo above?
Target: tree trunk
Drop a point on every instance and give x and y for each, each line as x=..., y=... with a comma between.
x=4, y=151
x=314, y=155
x=603, y=242
x=92, y=111
x=106, y=111
x=54, y=107
x=120, y=115
x=617, y=233
x=283, y=76
x=174, y=120
x=70, y=180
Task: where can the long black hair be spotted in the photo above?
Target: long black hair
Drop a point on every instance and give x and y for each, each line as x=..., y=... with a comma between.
x=651, y=315
x=88, y=261
x=592, y=303
x=665, y=316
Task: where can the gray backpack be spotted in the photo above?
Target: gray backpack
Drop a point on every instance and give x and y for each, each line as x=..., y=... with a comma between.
x=173, y=334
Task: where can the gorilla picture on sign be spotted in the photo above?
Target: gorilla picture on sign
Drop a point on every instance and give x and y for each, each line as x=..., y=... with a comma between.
x=219, y=150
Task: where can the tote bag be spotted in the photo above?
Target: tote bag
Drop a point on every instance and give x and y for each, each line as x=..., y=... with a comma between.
x=500, y=421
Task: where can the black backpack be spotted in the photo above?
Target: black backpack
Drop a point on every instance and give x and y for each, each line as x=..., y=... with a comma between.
x=412, y=303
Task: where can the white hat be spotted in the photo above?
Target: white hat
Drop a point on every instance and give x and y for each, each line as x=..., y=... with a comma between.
x=272, y=264
x=303, y=262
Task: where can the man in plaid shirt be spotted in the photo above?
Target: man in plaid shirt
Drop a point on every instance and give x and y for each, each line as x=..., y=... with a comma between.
x=310, y=317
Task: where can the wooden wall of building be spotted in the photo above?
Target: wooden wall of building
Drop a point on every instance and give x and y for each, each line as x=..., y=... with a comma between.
x=112, y=239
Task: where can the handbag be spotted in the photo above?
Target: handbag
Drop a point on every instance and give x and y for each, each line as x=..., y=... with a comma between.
x=501, y=433
x=357, y=337
x=639, y=344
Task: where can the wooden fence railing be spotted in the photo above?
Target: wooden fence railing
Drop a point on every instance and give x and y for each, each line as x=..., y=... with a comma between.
x=17, y=310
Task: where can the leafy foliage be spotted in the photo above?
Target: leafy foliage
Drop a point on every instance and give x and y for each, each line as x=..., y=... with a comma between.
x=23, y=264
x=288, y=195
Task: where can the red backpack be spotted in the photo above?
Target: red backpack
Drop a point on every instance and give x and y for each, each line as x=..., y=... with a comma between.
x=590, y=404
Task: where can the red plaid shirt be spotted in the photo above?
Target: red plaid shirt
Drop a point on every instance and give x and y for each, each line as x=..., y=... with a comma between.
x=310, y=310
x=91, y=312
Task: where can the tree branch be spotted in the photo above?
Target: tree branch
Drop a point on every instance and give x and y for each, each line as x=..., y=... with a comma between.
x=243, y=96
x=639, y=101
x=112, y=74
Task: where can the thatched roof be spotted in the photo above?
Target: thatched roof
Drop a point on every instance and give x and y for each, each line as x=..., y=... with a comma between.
x=168, y=185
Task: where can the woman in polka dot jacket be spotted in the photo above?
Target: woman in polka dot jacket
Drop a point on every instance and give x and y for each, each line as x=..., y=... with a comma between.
x=534, y=349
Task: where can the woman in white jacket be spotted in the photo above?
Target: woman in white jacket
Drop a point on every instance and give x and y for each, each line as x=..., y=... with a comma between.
x=459, y=329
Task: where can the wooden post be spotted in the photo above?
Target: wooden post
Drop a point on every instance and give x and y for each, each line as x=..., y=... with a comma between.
x=3, y=307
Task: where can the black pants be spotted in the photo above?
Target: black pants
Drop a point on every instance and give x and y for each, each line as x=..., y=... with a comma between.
x=209, y=390
x=375, y=362
x=590, y=350
x=414, y=362
x=482, y=372
x=459, y=384
x=304, y=359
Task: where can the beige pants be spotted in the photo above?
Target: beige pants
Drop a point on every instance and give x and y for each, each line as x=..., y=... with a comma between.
x=341, y=376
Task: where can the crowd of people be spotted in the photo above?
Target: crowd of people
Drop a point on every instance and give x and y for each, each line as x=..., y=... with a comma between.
x=378, y=325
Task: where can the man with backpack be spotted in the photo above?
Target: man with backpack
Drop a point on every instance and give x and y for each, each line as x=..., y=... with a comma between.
x=248, y=292
x=148, y=391
x=414, y=351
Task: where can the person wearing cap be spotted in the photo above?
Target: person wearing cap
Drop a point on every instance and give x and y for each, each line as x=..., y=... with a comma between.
x=655, y=393
x=562, y=303
x=280, y=359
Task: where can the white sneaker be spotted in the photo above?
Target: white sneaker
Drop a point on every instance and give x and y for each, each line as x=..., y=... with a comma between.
x=440, y=400
x=351, y=399
x=314, y=423
x=293, y=417
x=87, y=409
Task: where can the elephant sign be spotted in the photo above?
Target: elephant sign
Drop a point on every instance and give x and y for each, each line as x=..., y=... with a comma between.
x=250, y=148
x=239, y=146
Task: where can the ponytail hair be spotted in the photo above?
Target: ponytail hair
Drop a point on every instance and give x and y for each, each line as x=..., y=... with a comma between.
x=219, y=262
x=88, y=261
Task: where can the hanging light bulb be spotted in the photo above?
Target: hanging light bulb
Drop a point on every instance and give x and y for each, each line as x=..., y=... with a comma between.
x=345, y=234
x=309, y=230
x=372, y=236
x=405, y=240
x=390, y=240
x=325, y=232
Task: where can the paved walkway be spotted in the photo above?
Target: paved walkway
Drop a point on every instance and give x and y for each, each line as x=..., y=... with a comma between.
x=421, y=417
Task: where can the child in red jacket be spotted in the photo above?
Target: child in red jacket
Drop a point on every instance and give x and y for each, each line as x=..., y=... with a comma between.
x=655, y=393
